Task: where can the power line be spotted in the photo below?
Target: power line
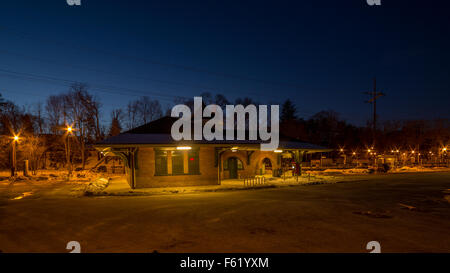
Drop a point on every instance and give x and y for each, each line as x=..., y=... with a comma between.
x=145, y=60
x=100, y=88
x=120, y=74
x=104, y=88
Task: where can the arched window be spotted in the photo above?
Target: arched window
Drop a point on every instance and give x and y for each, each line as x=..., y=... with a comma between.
x=267, y=164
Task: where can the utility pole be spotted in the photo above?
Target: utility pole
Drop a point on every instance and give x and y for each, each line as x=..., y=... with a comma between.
x=374, y=96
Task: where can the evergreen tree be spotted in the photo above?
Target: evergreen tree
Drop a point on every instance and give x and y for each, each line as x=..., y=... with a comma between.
x=288, y=111
x=115, y=128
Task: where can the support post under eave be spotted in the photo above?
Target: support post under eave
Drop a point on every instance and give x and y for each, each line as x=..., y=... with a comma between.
x=132, y=168
x=218, y=167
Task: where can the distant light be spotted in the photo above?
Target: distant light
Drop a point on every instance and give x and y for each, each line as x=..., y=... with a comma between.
x=234, y=149
x=16, y=138
x=397, y=151
x=184, y=148
x=69, y=129
x=341, y=150
x=354, y=153
x=191, y=159
x=278, y=151
x=444, y=149
x=412, y=152
x=392, y=151
x=368, y=150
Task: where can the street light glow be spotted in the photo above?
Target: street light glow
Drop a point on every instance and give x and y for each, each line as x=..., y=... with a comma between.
x=16, y=138
x=69, y=129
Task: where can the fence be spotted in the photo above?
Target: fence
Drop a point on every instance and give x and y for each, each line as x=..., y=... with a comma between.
x=254, y=181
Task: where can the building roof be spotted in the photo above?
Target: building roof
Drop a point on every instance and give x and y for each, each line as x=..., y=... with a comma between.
x=157, y=133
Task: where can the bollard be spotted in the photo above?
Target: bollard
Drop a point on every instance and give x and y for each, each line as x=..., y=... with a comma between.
x=25, y=168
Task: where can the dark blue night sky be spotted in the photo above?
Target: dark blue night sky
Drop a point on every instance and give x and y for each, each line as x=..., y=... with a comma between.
x=321, y=54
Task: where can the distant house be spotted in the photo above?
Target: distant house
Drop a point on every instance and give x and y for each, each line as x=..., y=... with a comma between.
x=153, y=159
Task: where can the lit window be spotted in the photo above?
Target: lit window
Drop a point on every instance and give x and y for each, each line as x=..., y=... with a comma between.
x=193, y=162
x=160, y=162
x=177, y=162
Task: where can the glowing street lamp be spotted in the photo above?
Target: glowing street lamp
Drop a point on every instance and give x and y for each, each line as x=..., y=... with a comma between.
x=13, y=157
x=69, y=130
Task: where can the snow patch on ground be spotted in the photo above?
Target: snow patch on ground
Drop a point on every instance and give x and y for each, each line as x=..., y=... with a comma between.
x=340, y=171
x=97, y=186
x=420, y=169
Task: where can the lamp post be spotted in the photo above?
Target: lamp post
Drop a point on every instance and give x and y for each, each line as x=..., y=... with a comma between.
x=13, y=156
x=69, y=163
x=444, y=151
x=355, y=155
x=341, y=151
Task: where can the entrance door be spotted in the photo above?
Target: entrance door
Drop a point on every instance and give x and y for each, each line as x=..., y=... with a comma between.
x=232, y=167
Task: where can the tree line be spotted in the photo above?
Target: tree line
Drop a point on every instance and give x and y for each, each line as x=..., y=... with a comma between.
x=42, y=127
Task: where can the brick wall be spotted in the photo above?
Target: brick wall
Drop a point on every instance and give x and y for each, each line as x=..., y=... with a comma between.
x=254, y=168
x=145, y=173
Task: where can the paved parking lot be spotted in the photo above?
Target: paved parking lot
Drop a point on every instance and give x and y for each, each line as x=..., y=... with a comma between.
x=404, y=212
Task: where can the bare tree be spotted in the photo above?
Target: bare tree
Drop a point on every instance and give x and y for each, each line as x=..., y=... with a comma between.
x=132, y=110
x=148, y=109
x=142, y=110
x=55, y=109
x=207, y=98
x=221, y=100
x=39, y=117
x=33, y=148
x=82, y=112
